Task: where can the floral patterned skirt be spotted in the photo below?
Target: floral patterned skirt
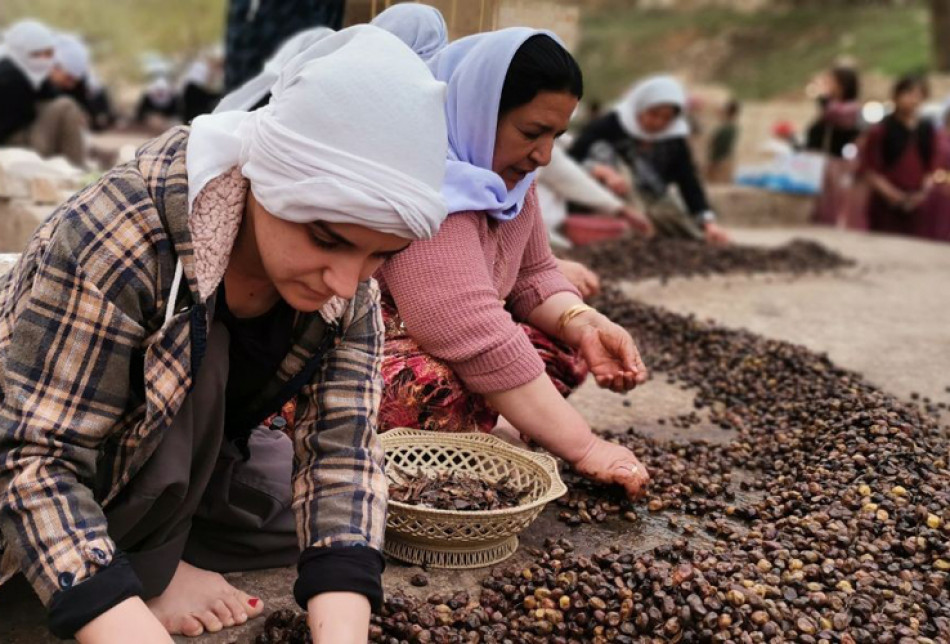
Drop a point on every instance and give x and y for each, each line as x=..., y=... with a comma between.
x=422, y=392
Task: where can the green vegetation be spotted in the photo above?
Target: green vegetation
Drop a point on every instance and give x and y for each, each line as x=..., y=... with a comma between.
x=759, y=55
x=120, y=30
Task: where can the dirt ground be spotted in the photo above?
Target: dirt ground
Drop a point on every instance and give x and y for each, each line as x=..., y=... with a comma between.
x=886, y=317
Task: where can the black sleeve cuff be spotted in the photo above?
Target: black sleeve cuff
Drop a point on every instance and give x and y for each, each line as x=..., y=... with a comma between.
x=353, y=569
x=74, y=607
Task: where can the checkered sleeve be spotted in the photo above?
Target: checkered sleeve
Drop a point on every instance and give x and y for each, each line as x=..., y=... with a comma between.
x=65, y=384
x=340, y=489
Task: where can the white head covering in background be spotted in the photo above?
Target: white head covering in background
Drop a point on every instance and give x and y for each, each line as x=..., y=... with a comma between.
x=21, y=41
x=253, y=91
x=371, y=153
x=657, y=90
x=199, y=73
x=420, y=26
x=160, y=92
x=71, y=55
x=93, y=83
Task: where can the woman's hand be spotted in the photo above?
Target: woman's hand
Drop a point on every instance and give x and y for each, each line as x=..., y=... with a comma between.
x=583, y=279
x=611, y=178
x=915, y=200
x=715, y=234
x=609, y=463
x=609, y=351
x=129, y=616
x=338, y=618
x=637, y=220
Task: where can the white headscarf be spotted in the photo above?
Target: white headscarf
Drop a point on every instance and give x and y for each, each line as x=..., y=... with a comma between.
x=372, y=153
x=22, y=40
x=253, y=91
x=420, y=26
x=198, y=73
x=71, y=55
x=657, y=90
x=160, y=92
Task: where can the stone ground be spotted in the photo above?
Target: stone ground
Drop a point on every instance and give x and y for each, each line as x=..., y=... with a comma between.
x=886, y=317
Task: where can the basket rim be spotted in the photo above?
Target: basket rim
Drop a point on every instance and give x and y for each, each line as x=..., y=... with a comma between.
x=556, y=489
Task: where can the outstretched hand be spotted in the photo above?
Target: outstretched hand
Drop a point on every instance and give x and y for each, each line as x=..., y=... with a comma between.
x=638, y=221
x=609, y=463
x=716, y=234
x=583, y=279
x=609, y=351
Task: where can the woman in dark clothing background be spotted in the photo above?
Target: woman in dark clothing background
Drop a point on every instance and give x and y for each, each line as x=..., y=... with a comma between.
x=899, y=159
x=158, y=106
x=198, y=91
x=837, y=126
x=648, y=132
x=838, y=122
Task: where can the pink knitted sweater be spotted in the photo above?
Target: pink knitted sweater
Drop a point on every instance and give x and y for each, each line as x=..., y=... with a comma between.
x=452, y=291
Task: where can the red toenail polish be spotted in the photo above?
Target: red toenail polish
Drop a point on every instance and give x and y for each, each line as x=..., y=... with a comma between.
x=253, y=602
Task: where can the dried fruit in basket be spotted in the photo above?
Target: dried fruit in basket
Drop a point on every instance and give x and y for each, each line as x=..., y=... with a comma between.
x=454, y=491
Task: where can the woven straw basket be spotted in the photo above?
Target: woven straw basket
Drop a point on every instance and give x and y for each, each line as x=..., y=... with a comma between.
x=464, y=539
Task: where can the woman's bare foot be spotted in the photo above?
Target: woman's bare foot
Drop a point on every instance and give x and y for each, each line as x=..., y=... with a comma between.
x=198, y=600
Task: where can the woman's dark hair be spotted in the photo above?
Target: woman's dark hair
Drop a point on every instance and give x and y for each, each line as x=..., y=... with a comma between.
x=541, y=64
x=847, y=80
x=909, y=83
x=898, y=136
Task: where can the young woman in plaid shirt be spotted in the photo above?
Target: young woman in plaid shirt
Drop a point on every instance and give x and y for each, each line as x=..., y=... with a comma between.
x=161, y=314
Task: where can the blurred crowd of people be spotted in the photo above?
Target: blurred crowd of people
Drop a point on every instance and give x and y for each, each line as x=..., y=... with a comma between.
x=884, y=172
x=633, y=163
x=52, y=95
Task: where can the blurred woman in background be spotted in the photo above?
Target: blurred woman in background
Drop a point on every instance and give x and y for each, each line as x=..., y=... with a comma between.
x=837, y=127
x=648, y=131
x=32, y=115
x=899, y=160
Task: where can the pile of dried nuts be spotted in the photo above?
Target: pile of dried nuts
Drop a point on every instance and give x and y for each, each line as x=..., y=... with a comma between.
x=637, y=258
x=453, y=491
x=825, y=519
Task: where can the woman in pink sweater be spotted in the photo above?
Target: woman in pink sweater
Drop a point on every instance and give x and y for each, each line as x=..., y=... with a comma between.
x=479, y=321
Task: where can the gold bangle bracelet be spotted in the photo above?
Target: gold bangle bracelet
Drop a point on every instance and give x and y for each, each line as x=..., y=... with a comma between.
x=569, y=314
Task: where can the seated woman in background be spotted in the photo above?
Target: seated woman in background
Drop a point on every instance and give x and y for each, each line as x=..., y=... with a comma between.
x=158, y=107
x=201, y=86
x=647, y=130
x=31, y=114
x=72, y=76
x=899, y=159
x=160, y=314
x=479, y=321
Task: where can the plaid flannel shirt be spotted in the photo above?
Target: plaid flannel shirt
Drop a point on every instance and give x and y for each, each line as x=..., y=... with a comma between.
x=91, y=374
